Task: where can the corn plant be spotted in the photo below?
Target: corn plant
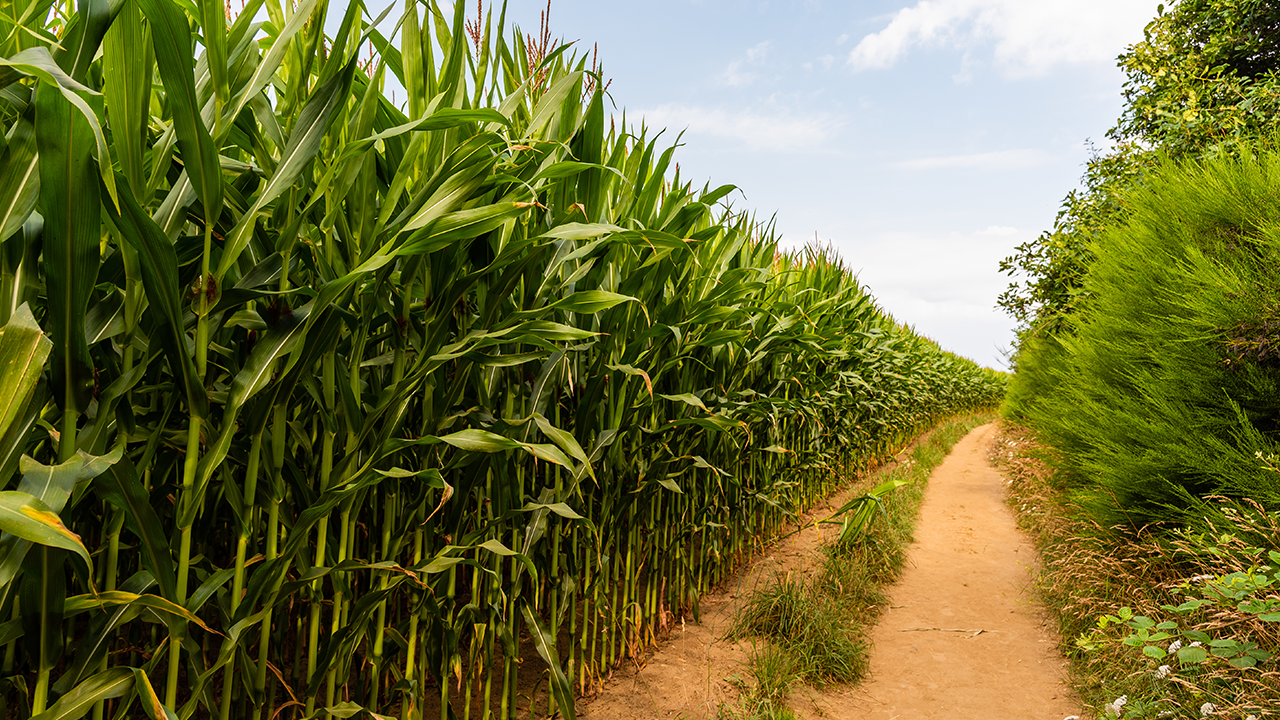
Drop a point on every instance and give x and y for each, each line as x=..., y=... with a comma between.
x=352, y=405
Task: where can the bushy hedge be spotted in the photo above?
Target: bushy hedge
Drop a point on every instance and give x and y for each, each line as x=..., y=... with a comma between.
x=1166, y=387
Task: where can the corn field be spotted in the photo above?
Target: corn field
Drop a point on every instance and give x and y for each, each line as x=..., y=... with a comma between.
x=316, y=404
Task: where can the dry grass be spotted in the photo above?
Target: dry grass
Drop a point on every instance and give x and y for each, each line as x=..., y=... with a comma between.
x=1089, y=572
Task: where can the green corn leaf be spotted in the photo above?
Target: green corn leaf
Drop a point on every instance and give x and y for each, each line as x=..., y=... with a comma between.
x=208, y=589
x=461, y=225
x=26, y=517
x=548, y=331
x=561, y=688
x=464, y=172
x=565, y=169
x=304, y=141
x=68, y=183
x=213, y=23
x=161, y=606
x=42, y=601
x=552, y=103
x=687, y=398
x=159, y=265
x=475, y=440
x=108, y=684
x=14, y=441
x=148, y=698
x=669, y=483
x=270, y=62
x=171, y=39
x=127, y=62
x=121, y=488
x=37, y=63
x=77, y=48
x=19, y=179
x=566, y=441
x=92, y=645
x=23, y=350
x=591, y=301
x=629, y=370
x=53, y=485
x=277, y=343
x=581, y=231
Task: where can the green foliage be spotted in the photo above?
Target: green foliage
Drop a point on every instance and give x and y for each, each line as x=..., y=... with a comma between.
x=1204, y=81
x=1036, y=358
x=1205, y=77
x=1166, y=389
x=1055, y=263
x=1228, y=606
x=1244, y=592
x=1211, y=585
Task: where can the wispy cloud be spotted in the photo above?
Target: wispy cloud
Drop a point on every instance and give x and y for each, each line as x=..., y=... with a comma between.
x=998, y=231
x=740, y=71
x=998, y=160
x=1029, y=37
x=773, y=130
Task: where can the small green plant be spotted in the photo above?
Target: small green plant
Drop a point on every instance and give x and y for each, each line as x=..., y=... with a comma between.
x=1241, y=592
x=776, y=671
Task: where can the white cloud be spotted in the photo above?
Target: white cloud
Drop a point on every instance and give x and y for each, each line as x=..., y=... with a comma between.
x=998, y=160
x=772, y=130
x=944, y=284
x=738, y=73
x=1029, y=36
x=998, y=231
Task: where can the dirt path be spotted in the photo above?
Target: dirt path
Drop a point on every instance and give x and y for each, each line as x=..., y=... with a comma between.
x=968, y=571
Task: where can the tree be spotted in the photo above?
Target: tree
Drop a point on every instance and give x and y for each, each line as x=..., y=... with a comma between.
x=1205, y=78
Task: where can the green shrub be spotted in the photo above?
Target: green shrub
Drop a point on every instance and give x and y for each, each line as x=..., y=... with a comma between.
x=1166, y=388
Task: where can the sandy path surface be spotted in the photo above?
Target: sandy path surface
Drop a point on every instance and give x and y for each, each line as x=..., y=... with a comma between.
x=969, y=570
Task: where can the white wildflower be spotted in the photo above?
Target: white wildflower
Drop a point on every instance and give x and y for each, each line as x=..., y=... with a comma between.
x=1206, y=709
x=1195, y=644
x=1165, y=714
x=1113, y=707
x=1252, y=717
x=1199, y=578
x=1175, y=646
x=1162, y=672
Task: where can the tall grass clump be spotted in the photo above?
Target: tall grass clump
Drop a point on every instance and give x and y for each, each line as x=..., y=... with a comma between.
x=812, y=628
x=1166, y=389
x=317, y=404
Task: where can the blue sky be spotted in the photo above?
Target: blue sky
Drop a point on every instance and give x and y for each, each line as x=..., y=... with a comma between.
x=923, y=140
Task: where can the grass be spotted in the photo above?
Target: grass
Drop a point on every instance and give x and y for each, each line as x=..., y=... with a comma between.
x=1100, y=584
x=809, y=626
x=814, y=630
